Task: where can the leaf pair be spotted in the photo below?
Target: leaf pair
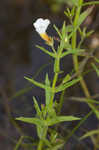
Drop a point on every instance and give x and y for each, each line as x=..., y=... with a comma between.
x=49, y=90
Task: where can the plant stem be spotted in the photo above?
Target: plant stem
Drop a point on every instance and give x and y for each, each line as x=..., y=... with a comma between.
x=78, y=125
x=76, y=62
x=75, y=57
x=40, y=145
x=53, y=88
x=61, y=102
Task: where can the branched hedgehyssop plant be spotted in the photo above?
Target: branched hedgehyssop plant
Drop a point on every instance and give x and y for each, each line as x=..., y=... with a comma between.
x=49, y=114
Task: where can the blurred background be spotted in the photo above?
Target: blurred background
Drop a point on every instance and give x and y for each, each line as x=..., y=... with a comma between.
x=19, y=57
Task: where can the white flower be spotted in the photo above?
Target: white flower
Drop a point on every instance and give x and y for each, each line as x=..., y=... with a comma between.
x=41, y=25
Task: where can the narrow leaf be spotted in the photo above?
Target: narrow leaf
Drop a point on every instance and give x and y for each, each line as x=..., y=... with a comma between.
x=69, y=28
x=37, y=83
x=89, y=33
x=67, y=78
x=82, y=17
x=96, y=69
x=73, y=11
x=86, y=100
x=94, y=110
x=96, y=59
x=57, y=146
x=35, y=121
x=90, y=133
x=90, y=3
x=66, y=85
x=37, y=107
x=57, y=30
x=59, y=119
x=72, y=51
x=47, y=91
x=73, y=2
x=46, y=51
x=64, y=30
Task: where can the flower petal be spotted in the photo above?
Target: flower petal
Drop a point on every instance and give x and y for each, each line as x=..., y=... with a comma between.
x=41, y=25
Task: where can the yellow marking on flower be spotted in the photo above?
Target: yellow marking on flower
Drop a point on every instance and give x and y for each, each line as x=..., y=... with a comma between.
x=45, y=37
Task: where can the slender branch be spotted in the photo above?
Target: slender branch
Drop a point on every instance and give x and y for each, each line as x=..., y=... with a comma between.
x=53, y=88
x=40, y=145
x=75, y=57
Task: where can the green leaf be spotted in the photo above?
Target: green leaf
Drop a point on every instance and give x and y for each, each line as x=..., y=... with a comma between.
x=66, y=85
x=90, y=3
x=89, y=33
x=67, y=78
x=71, y=2
x=95, y=68
x=64, y=31
x=97, y=60
x=37, y=83
x=37, y=107
x=47, y=91
x=53, y=136
x=46, y=51
x=72, y=51
x=57, y=30
x=51, y=112
x=57, y=146
x=59, y=119
x=41, y=131
x=57, y=65
x=19, y=143
x=47, y=143
x=78, y=126
x=69, y=28
x=35, y=121
x=85, y=100
x=82, y=17
x=73, y=11
x=94, y=110
x=66, y=13
x=74, y=2
x=90, y=133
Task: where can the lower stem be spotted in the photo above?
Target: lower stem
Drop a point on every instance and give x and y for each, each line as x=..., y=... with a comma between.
x=53, y=88
x=61, y=102
x=40, y=145
x=82, y=82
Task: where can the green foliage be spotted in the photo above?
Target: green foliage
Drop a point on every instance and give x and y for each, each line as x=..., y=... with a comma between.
x=67, y=85
x=48, y=115
x=38, y=84
x=47, y=92
x=48, y=122
x=46, y=51
x=70, y=2
x=89, y=134
x=96, y=69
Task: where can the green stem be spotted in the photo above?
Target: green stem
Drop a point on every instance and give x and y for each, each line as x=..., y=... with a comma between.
x=40, y=145
x=53, y=88
x=61, y=101
x=75, y=57
x=77, y=126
